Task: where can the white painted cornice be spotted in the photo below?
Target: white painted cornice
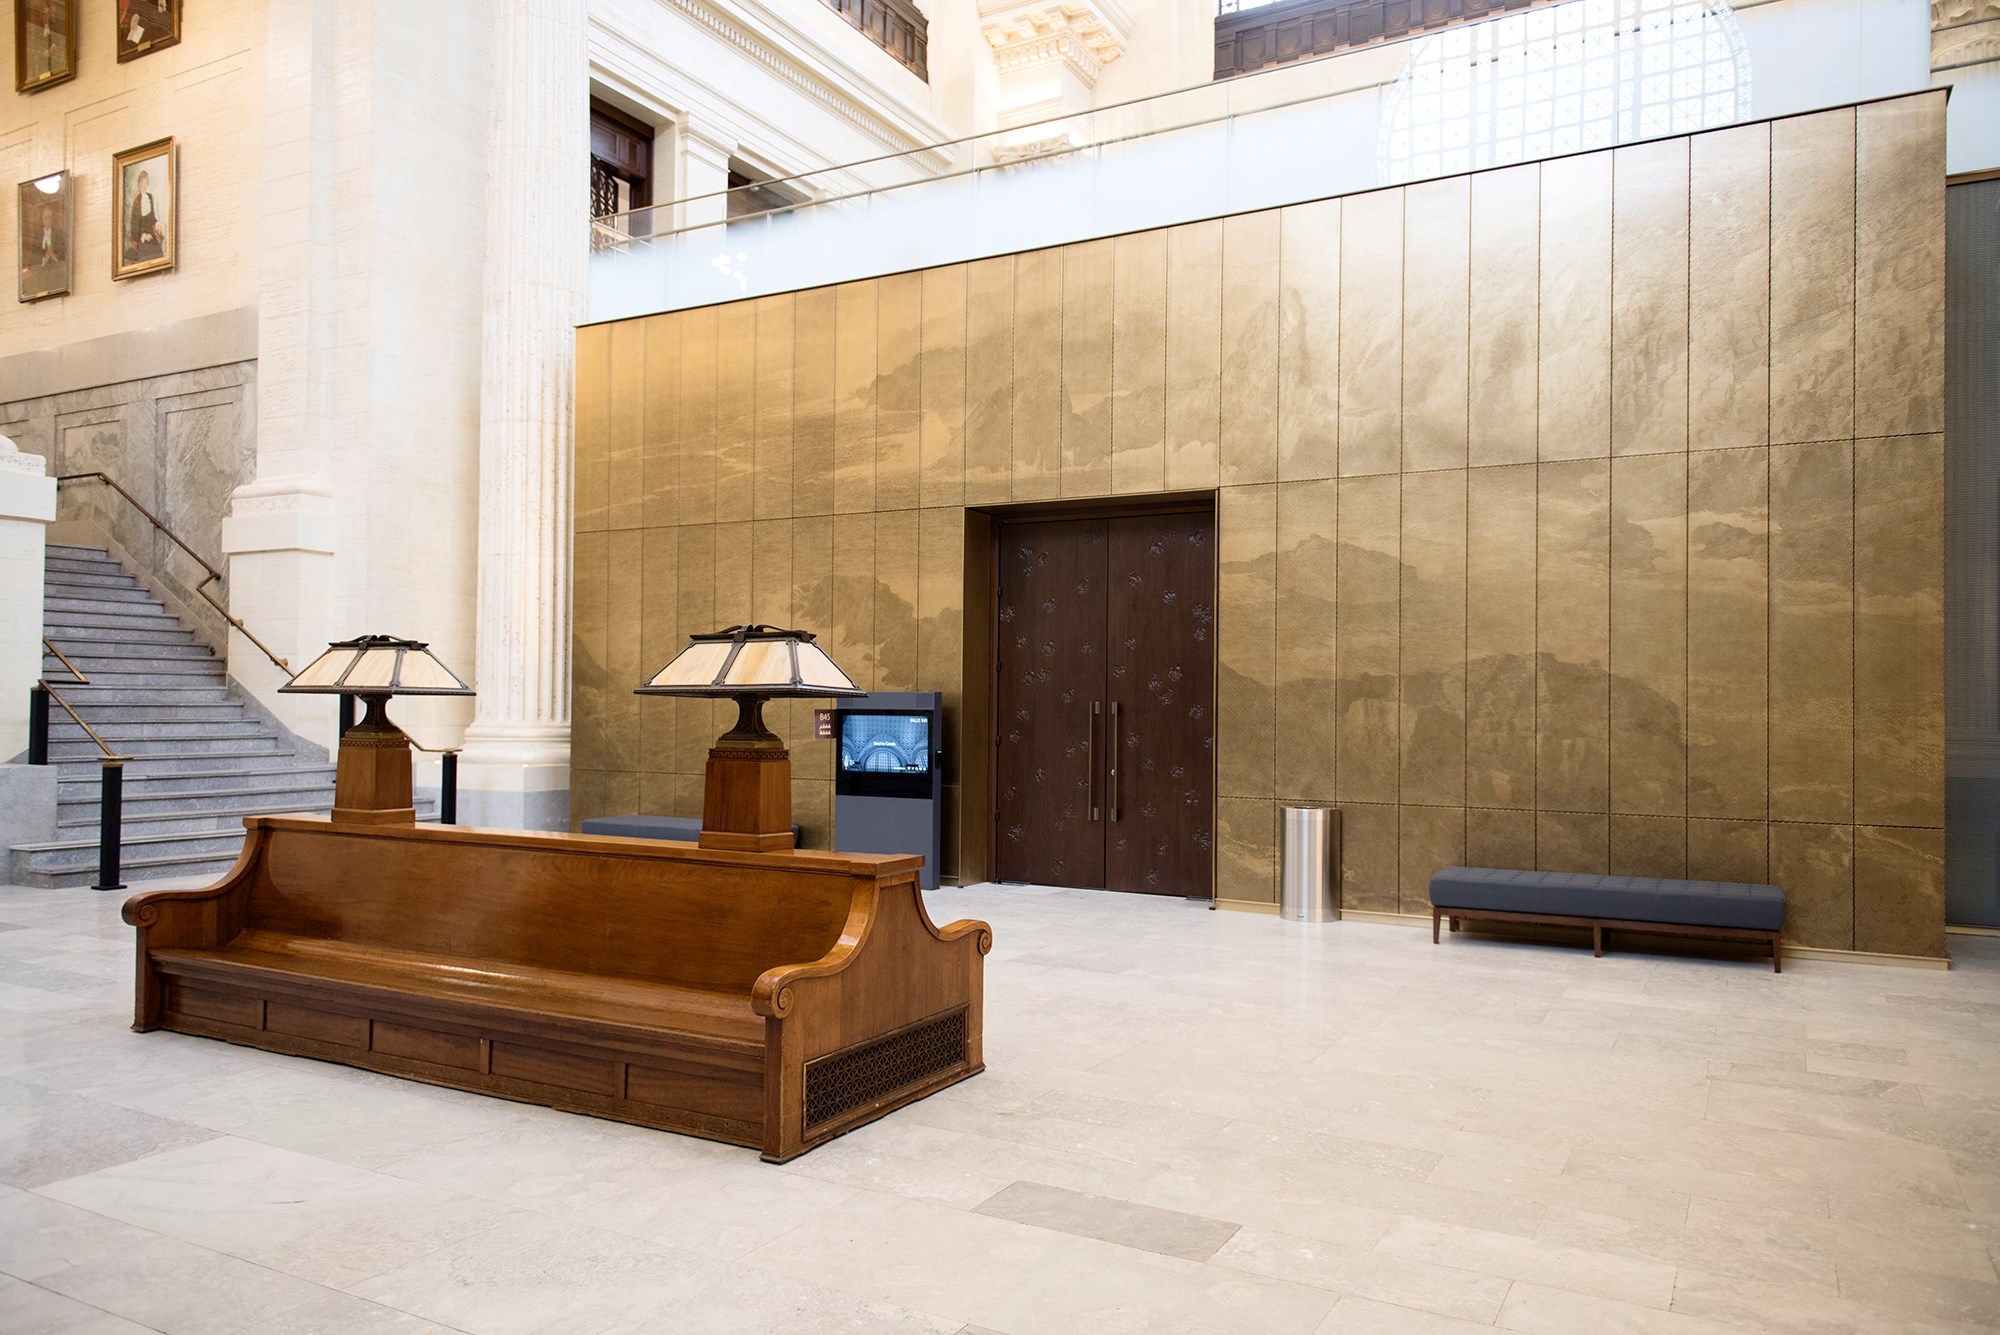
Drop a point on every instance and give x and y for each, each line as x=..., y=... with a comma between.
x=1084, y=35
x=896, y=115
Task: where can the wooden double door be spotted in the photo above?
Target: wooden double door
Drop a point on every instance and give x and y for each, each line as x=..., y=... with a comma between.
x=1104, y=703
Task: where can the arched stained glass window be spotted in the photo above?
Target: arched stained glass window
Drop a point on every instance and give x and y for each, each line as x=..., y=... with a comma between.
x=1563, y=79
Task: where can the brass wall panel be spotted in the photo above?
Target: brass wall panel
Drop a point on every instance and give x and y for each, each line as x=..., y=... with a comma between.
x=1649, y=602
x=1246, y=641
x=623, y=665
x=1573, y=637
x=1899, y=883
x=1251, y=249
x=1812, y=283
x=1649, y=846
x=1139, y=366
x=659, y=794
x=1729, y=850
x=1815, y=865
x=1086, y=320
x=898, y=390
x=1430, y=839
x=1370, y=858
x=625, y=490
x=1038, y=352
x=659, y=641
x=590, y=652
x=1246, y=850
x=856, y=336
x=593, y=427
x=1366, y=686
x=1432, y=649
x=812, y=610
x=771, y=605
x=941, y=622
x=941, y=428
x=1899, y=270
x=1309, y=340
x=1729, y=288
x=812, y=809
x=1505, y=353
x=1899, y=631
x=1307, y=565
x=1437, y=240
x=694, y=606
x=1812, y=632
x=697, y=414
x=1194, y=355
x=733, y=576
x=771, y=483
x=1500, y=636
x=1578, y=841
x=814, y=332
x=852, y=643
x=1371, y=333
x=1649, y=298
x=895, y=632
x=1575, y=337
x=989, y=380
x=735, y=410
x=660, y=457
x=1728, y=633
x=1499, y=838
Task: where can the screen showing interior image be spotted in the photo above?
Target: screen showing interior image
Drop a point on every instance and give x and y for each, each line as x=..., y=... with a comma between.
x=898, y=744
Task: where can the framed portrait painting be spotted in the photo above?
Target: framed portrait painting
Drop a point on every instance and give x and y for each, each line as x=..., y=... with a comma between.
x=144, y=26
x=145, y=237
x=48, y=218
x=44, y=43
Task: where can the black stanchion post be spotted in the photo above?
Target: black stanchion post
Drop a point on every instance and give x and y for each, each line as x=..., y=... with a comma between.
x=110, y=821
x=448, y=791
x=346, y=715
x=38, y=725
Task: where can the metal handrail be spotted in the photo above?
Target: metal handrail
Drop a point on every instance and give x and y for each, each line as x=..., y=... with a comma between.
x=212, y=576
x=68, y=666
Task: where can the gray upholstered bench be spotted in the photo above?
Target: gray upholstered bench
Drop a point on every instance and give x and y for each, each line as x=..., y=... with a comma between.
x=1641, y=903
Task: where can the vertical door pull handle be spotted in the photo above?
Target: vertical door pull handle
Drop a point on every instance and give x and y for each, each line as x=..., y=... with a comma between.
x=1116, y=740
x=1090, y=758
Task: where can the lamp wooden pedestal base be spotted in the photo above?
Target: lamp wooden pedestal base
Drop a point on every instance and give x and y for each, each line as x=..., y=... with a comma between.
x=371, y=781
x=746, y=803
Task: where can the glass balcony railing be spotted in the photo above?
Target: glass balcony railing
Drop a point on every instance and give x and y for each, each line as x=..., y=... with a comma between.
x=1527, y=85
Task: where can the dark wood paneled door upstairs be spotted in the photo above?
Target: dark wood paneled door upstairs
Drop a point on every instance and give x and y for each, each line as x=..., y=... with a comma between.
x=1105, y=703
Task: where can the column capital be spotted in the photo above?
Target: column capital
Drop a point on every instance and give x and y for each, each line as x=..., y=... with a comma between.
x=1083, y=36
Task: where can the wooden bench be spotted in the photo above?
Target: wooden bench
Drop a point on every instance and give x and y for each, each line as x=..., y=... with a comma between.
x=773, y=1000
x=1720, y=909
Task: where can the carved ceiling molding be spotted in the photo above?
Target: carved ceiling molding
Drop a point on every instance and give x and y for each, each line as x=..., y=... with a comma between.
x=1085, y=35
x=1967, y=44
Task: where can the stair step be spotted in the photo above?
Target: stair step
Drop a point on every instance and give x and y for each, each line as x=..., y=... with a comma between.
x=115, y=732
x=146, y=824
x=81, y=808
x=82, y=565
x=113, y=654
x=147, y=748
x=173, y=764
x=143, y=785
x=96, y=588
x=130, y=870
x=78, y=852
x=73, y=549
x=64, y=632
x=180, y=675
x=101, y=716
x=139, y=612
x=169, y=697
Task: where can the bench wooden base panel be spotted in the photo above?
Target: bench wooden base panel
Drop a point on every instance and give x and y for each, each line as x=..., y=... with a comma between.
x=1598, y=927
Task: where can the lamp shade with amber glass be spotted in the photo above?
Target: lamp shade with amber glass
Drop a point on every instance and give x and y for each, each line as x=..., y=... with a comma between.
x=371, y=782
x=747, y=792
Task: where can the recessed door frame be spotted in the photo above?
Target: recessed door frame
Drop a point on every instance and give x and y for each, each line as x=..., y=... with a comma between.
x=978, y=840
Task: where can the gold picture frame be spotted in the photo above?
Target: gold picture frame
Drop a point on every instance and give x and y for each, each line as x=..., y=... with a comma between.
x=44, y=43
x=47, y=240
x=145, y=222
x=146, y=26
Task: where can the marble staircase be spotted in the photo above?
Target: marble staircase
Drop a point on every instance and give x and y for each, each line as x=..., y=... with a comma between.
x=200, y=761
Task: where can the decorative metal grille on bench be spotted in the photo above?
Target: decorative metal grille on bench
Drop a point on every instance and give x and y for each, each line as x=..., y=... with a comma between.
x=844, y=1081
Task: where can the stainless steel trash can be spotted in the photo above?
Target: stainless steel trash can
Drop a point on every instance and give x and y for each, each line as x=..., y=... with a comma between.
x=1308, y=865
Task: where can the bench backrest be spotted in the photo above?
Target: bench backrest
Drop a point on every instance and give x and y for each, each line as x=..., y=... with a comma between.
x=625, y=908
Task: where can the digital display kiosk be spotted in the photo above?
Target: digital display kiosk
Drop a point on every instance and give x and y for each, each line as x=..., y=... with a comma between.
x=887, y=780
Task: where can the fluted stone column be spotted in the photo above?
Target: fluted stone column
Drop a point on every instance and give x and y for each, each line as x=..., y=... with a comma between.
x=515, y=769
